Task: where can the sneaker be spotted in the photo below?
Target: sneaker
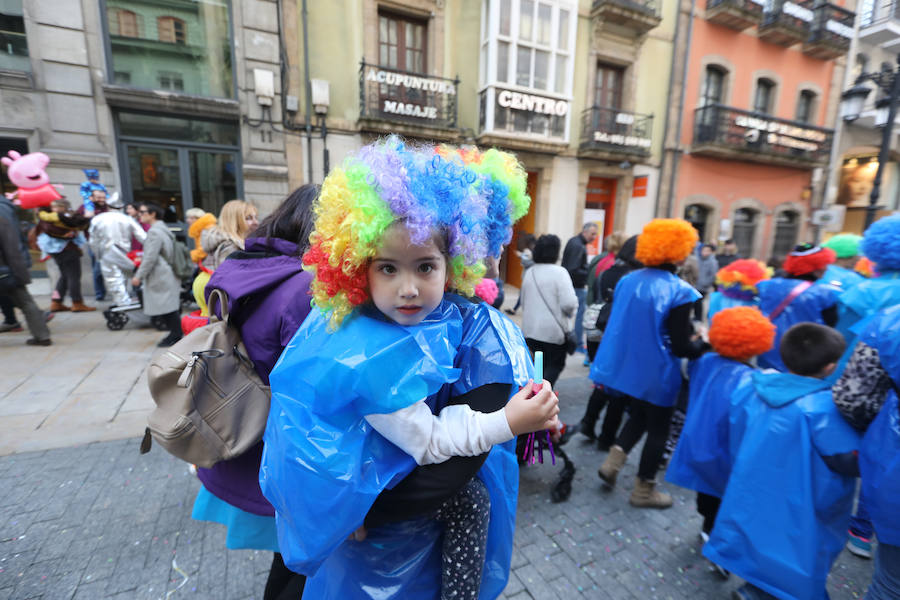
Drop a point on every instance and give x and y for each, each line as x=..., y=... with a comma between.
x=586, y=362
x=37, y=342
x=859, y=545
x=704, y=537
x=740, y=594
x=581, y=349
x=510, y=311
x=722, y=572
x=4, y=327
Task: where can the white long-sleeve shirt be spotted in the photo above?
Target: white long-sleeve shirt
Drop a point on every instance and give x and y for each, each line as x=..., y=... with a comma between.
x=456, y=431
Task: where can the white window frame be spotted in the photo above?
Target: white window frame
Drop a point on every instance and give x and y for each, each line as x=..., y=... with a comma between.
x=490, y=37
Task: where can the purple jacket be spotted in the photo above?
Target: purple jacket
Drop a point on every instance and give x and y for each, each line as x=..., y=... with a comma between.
x=268, y=296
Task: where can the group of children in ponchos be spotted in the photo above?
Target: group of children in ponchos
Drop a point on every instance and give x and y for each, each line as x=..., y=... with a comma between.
x=772, y=452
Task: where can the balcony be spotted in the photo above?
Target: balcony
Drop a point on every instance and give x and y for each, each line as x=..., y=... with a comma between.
x=735, y=14
x=638, y=15
x=412, y=104
x=613, y=134
x=734, y=134
x=880, y=24
x=832, y=30
x=786, y=23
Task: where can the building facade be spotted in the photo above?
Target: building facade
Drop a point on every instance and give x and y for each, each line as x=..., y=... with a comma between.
x=575, y=88
x=852, y=172
x=759, y=84
x=166, y=98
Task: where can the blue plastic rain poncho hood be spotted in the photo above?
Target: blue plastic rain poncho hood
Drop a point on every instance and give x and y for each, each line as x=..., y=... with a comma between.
x=636, y=341
x=879, y=465
x=702, y=459
x=841, y=277
x=858, y=305
x=323, y=466
x=807, y=307
x=719, y=302
x=787, y=549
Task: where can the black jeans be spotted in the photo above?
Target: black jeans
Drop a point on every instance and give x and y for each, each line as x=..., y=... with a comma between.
x=283, y=584
x=9, y=310
x=708, y=507
x=554, y=358
x=615, y=408
x=69, y=263
x=654, y=420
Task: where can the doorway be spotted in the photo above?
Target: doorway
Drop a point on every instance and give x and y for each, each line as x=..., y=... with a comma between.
x=511, y=267
x=600, y=208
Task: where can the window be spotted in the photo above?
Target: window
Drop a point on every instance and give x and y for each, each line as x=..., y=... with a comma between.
x=540, y=59
x=744, y=232
x=697, y=215
x=13, y=44
x=171, y=81
x=191, y=40
x=401, y=43
x=806, y=105
x=171, y=30
x=765, y=94
x=127, y=23
x=787, y=225
x=608, y=86
x=713, y=91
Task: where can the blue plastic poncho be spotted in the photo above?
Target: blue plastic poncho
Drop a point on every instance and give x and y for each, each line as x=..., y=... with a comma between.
x=400, y=560
x=841, y=277
x=879, y=465
x=883, y=334
x=856, y=305
x=807, y=307
x=719, y=302
x=635, y=355
x=702, y=459
x=784, y=515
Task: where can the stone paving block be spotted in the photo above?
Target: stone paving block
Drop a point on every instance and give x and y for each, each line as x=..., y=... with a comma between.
x=534, y=583
x=513, y=586
x=90, y=590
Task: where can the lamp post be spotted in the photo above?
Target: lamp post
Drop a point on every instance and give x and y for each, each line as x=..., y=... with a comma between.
x=888, y=80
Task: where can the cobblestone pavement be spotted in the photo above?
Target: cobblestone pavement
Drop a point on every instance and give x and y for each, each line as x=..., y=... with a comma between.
x=102, y=521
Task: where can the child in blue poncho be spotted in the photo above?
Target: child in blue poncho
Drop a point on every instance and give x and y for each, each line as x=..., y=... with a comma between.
x=785, y=510
x=392, y=373
x=702, y=459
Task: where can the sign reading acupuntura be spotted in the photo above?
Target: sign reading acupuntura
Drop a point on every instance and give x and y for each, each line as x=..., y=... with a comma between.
x=391, y=94
x=781, y=134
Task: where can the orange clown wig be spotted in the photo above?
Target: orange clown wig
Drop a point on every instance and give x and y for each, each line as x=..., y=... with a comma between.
x=665, y=241
x=741, y=333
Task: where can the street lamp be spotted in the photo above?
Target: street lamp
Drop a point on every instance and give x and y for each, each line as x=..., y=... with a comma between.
x=851, y=105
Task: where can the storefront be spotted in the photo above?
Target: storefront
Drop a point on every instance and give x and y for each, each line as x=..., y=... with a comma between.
x=855, y=180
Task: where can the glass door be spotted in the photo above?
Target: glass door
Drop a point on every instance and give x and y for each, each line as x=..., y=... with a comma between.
x=213, y=181
x=155, y=176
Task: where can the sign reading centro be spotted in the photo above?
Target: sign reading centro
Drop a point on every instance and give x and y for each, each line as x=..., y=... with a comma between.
x=538, y=104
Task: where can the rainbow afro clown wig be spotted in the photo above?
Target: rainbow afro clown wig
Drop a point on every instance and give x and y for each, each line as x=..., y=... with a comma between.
x=739, y=279
x=806, y=258
x=741, y=332
x=845, y=245
x=469, y=198
x=665, y=241
x=881, y=243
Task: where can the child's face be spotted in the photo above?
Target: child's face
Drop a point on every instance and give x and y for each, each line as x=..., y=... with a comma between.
x=406, y=281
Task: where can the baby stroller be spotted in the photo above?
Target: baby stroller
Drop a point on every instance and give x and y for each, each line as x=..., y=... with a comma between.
x=117, y=316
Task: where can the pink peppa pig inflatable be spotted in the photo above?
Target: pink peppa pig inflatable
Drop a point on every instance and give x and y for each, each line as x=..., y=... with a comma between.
x=29, y=174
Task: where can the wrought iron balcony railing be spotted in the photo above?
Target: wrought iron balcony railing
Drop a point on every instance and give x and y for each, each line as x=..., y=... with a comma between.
x=787, y=22
x=736, y=14
x=878, y=11
x=832, y=30
x=616, y=131
x=399, y=96
x=728, y=132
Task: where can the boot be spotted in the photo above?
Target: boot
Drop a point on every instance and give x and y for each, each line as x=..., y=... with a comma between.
x=58, y=306
x=82, y=307
x=645, y=495
x=610, y=468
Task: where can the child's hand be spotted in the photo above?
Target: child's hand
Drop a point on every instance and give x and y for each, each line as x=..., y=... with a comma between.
x=527, y=412
x=359, y=535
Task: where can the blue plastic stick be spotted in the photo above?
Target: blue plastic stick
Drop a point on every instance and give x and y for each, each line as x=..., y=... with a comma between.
x=539, y=368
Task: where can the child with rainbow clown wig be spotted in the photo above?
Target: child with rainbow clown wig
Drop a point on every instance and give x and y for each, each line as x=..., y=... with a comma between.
x=736, y=285
x=372, y=401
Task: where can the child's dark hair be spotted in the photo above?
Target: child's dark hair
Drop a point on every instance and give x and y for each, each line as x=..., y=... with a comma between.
x=807, y=348
x=546, y=249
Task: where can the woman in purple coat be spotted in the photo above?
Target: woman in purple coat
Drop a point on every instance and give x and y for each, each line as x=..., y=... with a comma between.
x=268, y=297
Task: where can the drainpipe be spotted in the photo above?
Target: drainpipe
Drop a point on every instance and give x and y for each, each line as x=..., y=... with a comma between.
x=304, y=18
x=676, y=152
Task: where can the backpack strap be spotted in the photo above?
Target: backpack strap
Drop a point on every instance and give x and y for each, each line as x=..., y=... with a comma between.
x=798, y=289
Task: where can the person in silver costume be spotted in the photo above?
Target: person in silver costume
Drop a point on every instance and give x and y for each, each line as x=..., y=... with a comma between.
x=110, y=239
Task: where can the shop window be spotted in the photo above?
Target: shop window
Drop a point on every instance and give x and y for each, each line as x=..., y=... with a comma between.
x=698, y=216
x=401, y=43
x=744, y=230
x=806, y=105
x=787, y=227
x=202, y=26
x=171, y=30
x=764, y=95
x=13, y=43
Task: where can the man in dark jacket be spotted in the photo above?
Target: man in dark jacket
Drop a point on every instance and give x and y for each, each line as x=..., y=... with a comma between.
x=575, y=261
x=14, y=262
